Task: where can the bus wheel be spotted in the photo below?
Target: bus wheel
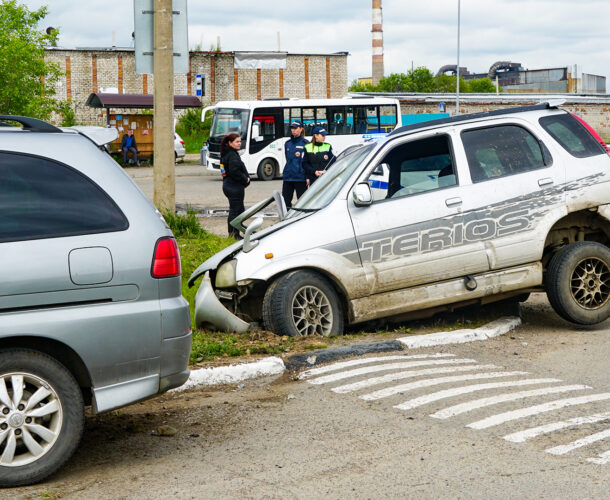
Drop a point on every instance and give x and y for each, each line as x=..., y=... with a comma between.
x=266, y=170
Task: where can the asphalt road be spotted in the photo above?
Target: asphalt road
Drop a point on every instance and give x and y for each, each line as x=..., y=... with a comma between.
x=291, y=438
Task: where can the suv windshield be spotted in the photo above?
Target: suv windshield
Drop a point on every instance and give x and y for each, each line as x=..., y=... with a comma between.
x=228, y=120
x=324, y=190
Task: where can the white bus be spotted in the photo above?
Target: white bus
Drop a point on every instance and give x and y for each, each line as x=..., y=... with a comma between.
x=265, y=127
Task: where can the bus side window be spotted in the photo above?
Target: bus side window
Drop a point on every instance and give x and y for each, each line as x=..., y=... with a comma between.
x=337, y=120
x=291, y=114
x=309, y=120
x=371, y=119
x=321, y=119
x=388, y=119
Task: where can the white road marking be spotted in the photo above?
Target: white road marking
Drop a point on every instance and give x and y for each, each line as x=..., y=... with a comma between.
x=398, y=389
x=522, y=436
x=601, y=459
x=363, y=361
x=475, y=404
x=385, y=367
x=449, y=393
x=535, y=410
x=562, y=450
x=391, y=377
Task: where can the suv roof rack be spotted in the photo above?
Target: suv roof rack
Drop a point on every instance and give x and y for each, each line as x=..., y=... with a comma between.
x=472, y=116
x=32, y=124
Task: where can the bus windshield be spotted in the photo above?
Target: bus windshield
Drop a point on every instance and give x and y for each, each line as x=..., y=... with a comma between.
x=228, y=120
x=326, y=187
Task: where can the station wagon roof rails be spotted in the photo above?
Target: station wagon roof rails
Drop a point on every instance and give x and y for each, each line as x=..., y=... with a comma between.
x=31, y=124
x=474, y=116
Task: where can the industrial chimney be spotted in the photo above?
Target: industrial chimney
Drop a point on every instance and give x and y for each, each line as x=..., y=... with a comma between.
x=377, y=42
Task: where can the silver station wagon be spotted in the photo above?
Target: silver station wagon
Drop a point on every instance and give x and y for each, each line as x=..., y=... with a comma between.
x=91, y=311
x=464, y=210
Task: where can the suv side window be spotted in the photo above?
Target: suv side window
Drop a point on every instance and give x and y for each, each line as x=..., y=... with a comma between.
x=40, y=198
x=572, y=136
x=501, y=150
x=416, y=167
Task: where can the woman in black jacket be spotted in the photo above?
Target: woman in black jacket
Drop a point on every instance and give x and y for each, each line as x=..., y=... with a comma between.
x=235, y=178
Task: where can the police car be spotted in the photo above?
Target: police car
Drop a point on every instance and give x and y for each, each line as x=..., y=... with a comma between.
x=467, y=209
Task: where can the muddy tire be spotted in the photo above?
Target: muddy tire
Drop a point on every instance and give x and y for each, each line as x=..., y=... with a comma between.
x=302, y=303
x=578, y=282
x=266, y=170
x=41, y=416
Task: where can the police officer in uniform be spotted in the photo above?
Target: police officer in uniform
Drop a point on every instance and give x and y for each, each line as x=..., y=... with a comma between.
x=318, y=155
x=294, y=176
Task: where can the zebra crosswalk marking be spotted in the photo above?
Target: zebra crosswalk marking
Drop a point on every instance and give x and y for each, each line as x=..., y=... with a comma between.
x=449, y=393
x=398, y=389
x=522, y=436
x=392, y=377
x=601, y=459
x=385, y=367
x=502, y=418
x=365, y=361
x=452, y=411
x=562, y=450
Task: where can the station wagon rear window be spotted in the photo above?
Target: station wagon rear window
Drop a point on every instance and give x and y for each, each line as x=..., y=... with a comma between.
x=572, y=136
x=40, y=198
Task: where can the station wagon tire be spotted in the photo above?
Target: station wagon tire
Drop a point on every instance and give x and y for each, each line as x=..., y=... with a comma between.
x=578, y=282
x=41, y=416
x=302, y=303
x=266, y=170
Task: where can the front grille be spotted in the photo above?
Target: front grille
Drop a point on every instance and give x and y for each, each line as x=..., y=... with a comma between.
x=215, y=156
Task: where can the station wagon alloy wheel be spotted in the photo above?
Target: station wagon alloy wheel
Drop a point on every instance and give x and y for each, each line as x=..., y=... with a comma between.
x=591, y=283
x=311, y=312
x=578, y=282
x=30, y=418
x=41, y=416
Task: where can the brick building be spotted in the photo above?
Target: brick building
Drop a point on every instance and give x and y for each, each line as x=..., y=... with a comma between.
x=95, y=69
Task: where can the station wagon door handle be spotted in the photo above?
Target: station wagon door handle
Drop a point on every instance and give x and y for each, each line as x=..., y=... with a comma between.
x=547, y=181
x=453, y=202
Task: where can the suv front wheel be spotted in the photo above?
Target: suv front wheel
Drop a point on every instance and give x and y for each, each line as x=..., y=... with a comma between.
x=578, y=282
x=41, y=416
x=302, y=303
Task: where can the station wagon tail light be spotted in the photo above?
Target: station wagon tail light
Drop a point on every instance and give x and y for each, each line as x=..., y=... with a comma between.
x=592, y=132
x=166, y=259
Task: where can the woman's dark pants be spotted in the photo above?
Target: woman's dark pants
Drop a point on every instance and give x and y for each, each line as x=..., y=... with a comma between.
x=235, y=194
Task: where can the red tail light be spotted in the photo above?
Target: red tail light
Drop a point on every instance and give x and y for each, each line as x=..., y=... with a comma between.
x=592, y=132
x=166, y=259
x=182, y=142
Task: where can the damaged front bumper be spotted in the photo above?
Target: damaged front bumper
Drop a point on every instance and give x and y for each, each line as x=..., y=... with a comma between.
x=209, y=311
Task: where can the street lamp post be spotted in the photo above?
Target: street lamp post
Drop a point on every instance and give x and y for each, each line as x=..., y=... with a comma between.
x=457, y=79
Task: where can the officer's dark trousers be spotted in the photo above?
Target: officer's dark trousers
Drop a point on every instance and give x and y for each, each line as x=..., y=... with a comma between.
x=235, y=194
x=289, y=188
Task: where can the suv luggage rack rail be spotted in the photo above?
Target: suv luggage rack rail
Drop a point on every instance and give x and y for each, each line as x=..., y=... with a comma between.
x=31, y=124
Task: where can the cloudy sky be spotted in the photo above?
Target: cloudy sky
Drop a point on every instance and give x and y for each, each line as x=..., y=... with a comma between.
x=536, y=33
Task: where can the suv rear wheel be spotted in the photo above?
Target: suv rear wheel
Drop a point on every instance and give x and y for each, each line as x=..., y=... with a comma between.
x=578, y=282
x=302, y=303
x=41, y=416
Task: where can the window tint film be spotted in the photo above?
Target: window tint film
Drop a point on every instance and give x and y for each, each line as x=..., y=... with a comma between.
x=43, y=199
x=414, y=167
x=572, y=136
x=500, y=151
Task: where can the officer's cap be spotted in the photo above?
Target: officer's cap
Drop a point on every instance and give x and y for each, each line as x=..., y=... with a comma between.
x=320, y=130
x=295, y=124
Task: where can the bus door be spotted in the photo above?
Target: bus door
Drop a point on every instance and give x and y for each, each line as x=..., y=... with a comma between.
x=267, y=127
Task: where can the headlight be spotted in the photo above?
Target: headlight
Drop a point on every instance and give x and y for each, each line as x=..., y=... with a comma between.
x=225, y=276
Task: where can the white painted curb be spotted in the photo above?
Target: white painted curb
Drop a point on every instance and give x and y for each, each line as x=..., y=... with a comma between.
x=488, y=331
x=233, y=373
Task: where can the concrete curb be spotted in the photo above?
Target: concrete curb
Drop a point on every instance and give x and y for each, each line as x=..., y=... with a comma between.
x=275, y=366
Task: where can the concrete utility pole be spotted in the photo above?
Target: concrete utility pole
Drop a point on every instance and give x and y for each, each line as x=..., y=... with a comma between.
x=377, y=30
x=163, y=171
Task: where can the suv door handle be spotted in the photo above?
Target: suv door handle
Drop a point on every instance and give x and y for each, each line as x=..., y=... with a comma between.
x=545, y=182
x=453, y=202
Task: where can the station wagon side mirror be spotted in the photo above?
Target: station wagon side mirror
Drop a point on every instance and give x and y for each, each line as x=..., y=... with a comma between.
x=362, y=194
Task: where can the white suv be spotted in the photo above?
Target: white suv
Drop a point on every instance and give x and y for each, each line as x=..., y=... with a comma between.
x=470, y=209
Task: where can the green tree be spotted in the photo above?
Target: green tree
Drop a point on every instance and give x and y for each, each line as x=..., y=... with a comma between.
x=420, y=80
x=27, y=82
x=396, y=82
x=481, y=85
